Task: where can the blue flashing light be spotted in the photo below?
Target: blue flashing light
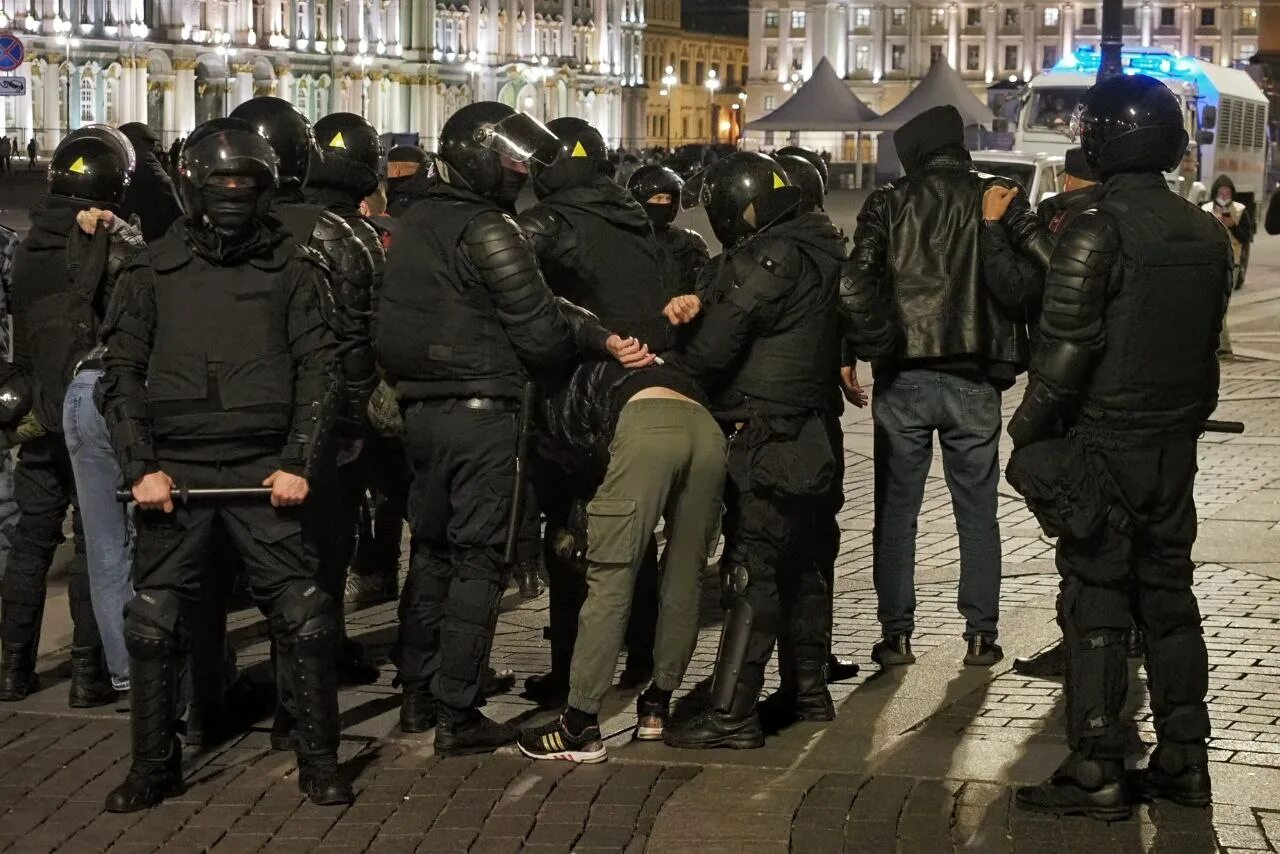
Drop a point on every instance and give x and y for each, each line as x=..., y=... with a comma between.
x=1157, y=63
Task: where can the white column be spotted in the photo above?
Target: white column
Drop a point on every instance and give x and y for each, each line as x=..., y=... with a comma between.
x=54, y=89
x=1067, y=23
x=26, y=107
x=993, y=27
x=415, y=106
x=837, y=37
x=879, y=25
x=953, y=34
x=815, y=34
x=1029, y=12
x=1148, y=22
x=529, y=36
x=1188, y=29
x=140, y=89
x=185, y=92
x=284, y=82
x=600, y=15
x=377, y=105
x=170, y=130
x=784, y=42
x=243, y=85
x=566, y=28
x=396, y=116
x=1226, y=27
x=615, y=47
x=755, y=43
x=124, y=90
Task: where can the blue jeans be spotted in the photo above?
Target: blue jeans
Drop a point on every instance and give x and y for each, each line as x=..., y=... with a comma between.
x=907, y=409
x=108, y=542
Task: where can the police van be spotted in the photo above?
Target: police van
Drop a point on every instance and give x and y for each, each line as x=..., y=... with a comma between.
x=1226, y=115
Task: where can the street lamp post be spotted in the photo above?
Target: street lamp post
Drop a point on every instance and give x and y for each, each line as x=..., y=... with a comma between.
x=712, y=83
x=669, y=81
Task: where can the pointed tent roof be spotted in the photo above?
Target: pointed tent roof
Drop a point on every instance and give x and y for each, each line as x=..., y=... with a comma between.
x=941, y=86
x=822, y=103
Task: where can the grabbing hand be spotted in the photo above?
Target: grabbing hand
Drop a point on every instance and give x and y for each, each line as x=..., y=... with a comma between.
x=682, y=309
x=287, y=490
x=88, y=220
x=629, y=352
x=853, y=391
x=154, y=492
x=995, y=202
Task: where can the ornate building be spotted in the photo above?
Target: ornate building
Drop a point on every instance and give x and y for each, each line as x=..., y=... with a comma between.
x=883, y=48
x=696, y=81
x=404, y=64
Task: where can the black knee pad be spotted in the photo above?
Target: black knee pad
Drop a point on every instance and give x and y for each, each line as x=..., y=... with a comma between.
x=303, y=608
x=151, y=624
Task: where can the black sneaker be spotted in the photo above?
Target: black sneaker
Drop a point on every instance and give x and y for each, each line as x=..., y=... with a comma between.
x=460, y=732
x=893, y=651
x=715, y=728
x=1049, y=664
x=554, y=741
x=983, y=652
x=651, y=717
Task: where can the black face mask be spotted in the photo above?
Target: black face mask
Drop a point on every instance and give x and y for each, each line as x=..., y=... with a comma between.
x=231, y=211
x=509, y=188
x=660, y=215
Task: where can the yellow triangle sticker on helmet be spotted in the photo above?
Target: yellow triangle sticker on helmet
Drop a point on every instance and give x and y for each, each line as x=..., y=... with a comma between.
x=337, y=141
x=78, y=167
x=578, y=150
x=777, y=181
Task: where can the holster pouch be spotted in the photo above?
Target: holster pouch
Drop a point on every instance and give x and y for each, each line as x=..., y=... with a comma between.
x=1066, y=490
x=783, y=456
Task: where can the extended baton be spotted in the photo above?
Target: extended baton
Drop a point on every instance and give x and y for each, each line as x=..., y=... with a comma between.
x=184, y=494
x=525, y=425
x=1212, y=426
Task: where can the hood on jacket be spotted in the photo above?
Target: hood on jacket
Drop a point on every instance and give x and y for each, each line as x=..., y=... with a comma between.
x=931, y=131
x=603, y=198
x=1220, y=182
x=816, y=234
x=53, y=218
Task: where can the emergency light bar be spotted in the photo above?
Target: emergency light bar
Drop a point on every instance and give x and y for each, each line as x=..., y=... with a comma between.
x=1157, y=63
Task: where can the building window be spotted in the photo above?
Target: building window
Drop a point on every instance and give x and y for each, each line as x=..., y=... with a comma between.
x=898, y=17
x=797, y=56
x=700, y=74
x=1049, y=56
x=1011, y=17
x=1089, y=17
x=898, y=57
x=770, y=102
x=1208, y=17
x=87, y=95
x=1128, y=17
x=937, y=18
x=743, y=75
x=862, y=58
x=797, y=19
x=973, y=17
x=730, y=72
x=1249, y=19
x=1051, y=16
x=862, y=18
x=770, y=58
x=972, y=57
x=1247, y=51
x=1168, y=17
x=1206, y=52
x=1010, y=57
x=935, y=54
x=771, y=19
x=684, y=71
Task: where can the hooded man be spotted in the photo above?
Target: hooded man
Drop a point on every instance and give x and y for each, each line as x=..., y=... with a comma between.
x=1235, y=216
x=151, y=196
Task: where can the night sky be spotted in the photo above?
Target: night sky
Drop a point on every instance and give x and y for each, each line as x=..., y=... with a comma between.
x=716, y=16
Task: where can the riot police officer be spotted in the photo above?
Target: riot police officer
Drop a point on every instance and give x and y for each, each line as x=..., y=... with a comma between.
x=351, y=277
x=463, y=320
x=60, y=288
x=346, y=174
x=803, y=174
x=221, y=372
x=597, y=249
x=1134, y=302
x=813, y=158
x=768, y=350
x=684, y=252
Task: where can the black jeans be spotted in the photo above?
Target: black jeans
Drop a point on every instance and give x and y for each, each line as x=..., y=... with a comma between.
x=44, y=488
x=1114, y=577
x=463, y=464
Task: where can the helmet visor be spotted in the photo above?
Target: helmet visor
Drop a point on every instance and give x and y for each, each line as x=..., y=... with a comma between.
x=230, y=152
x=696, y=191
x=521, y=138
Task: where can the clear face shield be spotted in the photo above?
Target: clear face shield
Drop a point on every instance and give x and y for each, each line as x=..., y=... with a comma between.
x=697, y=191
x=520, y=139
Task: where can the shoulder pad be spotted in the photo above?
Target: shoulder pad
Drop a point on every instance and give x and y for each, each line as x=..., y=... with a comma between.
x=774, y=255
x=540, y=219
x=691, y=239
x=1097, y=225
x=330, y=227
x=368, y=237
x=491, y=225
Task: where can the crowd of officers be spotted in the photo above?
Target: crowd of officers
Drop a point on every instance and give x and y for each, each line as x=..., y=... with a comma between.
x=261, y=350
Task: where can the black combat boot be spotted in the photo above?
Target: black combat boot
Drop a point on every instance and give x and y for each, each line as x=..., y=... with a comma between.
x=318, y=730
x=738, y=727
x=464, y=731
x=90, y=684
x=1048, y=664
x=17, y=672
x=812, y=700
x=417, y=709
x=156, y=772
x=1080, y=786
x=1179, y=773
x=283, y=727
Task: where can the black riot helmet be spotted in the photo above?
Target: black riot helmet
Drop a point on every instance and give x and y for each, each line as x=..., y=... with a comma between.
x=814, y=159
x=349, y=149
x=1131, y=123
x=229, y=147
x=289, y=133
x=580, y=156
x=801, y=173
x=743, y=193
x=657, y=180
x=93, y=164
x=485, y=144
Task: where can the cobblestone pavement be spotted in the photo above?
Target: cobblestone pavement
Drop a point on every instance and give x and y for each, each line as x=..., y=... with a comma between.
x=917, y=761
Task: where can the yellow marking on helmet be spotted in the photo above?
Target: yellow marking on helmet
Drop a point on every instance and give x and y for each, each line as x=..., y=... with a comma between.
x=78, y=167
x=338, y=141
x=777, y=181
x=578, y=150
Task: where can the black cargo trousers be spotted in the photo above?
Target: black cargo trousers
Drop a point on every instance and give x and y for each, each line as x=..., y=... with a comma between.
x=44, y=488
x=1112, y=579
x=462, y=454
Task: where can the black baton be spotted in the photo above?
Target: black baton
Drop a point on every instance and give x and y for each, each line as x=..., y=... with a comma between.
x=184, y=494
x=1212, y=426
x=524, y=423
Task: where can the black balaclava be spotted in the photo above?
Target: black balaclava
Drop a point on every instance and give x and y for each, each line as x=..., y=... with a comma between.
x=661, y=215
x=231, y=211
x=931, y=131
x=512, y=183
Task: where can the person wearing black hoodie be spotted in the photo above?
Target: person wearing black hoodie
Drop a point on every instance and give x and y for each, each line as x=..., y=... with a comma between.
x=918, y=243
x=151, y=195
x=597, y=249
x=61, y=287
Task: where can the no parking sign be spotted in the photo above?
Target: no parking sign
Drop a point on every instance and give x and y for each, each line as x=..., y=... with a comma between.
x=11, y=52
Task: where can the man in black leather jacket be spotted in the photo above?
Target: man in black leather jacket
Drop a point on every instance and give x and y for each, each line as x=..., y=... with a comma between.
x=1133, y=307
x=464, y=319
x=917, y=245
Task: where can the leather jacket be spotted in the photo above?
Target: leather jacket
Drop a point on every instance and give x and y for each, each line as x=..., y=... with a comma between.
x=917, y=248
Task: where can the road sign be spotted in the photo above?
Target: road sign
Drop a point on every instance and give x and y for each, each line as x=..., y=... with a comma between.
x=11, y=52
x=15, y=86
